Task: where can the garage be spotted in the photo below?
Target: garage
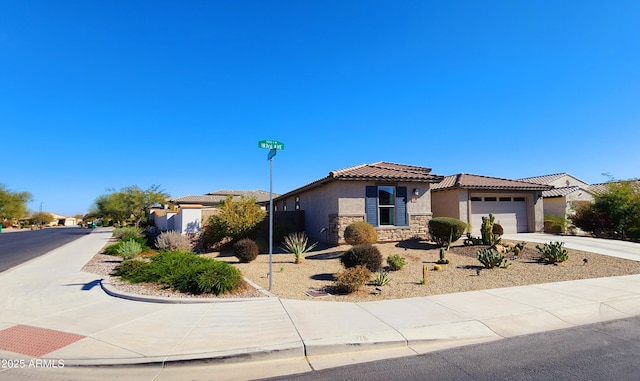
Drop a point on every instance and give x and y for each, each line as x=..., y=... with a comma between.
x=510, y=212
x=516, y=205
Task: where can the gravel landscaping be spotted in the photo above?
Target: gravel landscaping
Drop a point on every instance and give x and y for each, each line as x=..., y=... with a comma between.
x=291, y=280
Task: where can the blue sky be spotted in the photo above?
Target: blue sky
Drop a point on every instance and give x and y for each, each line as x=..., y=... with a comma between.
x=107, y=94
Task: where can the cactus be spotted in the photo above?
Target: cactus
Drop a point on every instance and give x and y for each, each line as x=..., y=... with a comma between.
x=443, y=260
x=491, y=258
x=488, y=237
x=553, y=252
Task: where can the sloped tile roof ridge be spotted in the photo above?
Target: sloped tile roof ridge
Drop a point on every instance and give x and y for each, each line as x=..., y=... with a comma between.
x=385, y=170
x=401, y=167
x=544, y=179
x=235, y=192
x=482, y=181
x=338, y=172
x=559, y=192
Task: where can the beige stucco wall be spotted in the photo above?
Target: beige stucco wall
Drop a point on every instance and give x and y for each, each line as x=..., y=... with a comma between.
x=555, y=206
x=538, y=208
x=336, y=204
x=451, y=203
x=561, y=206
x=318, y=203
x=568, y=181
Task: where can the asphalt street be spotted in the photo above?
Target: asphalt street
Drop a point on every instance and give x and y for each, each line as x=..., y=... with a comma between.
x=602, y=351
x=19, y=247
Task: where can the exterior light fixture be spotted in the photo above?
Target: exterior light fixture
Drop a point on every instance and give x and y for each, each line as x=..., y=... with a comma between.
x=416, y=192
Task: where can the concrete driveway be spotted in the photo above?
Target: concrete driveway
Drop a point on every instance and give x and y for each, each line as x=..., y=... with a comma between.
x=614, y=248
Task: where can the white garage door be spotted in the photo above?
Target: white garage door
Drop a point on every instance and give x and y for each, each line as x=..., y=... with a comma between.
x=510, y=212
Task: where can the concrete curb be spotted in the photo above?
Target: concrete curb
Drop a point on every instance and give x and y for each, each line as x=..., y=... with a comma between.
x=280, y=352
x=111, y=291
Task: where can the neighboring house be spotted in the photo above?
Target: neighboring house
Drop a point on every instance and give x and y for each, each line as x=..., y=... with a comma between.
x=394, y=198
x=516, y=205
x=567, y=193
x=58, y=220
x=188, y=214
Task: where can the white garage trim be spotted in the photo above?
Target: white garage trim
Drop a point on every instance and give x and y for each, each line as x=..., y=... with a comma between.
x=510, y=212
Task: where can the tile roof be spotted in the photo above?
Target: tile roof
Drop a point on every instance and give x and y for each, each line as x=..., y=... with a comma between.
x=385, y=171
x=204, y=199
x=560, y=192
x=545, y=179
x=260, y=195
x=379, y=171
x=469, y=181
x=217, y=197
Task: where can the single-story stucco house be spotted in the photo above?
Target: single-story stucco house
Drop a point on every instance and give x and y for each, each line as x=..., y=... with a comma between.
x=394, y=198
x=188, y=214
x=567, y=192
x=516, y=205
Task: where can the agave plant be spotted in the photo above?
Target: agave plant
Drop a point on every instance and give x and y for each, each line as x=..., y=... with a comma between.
x=296, y=243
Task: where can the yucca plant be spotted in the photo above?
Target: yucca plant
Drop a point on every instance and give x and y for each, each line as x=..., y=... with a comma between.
x=296, y=244
x=381, y=278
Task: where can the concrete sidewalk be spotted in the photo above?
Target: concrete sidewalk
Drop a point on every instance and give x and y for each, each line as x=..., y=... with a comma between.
x=613, y=248
x=52, y=311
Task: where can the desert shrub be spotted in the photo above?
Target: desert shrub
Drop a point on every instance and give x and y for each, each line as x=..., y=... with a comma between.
x=114, y=248
x=129, y=249
x=497, y=230
x=246, y=250
x=173, y=241
x=181, y=271
x=220, y=278
x=129, y=267
x=297, y=244
x=553, y=252
x=634, y=233
x=235, y=220
x=360, y=233
x=362, y=255
x=351, y=279
x=395, y=262
x=128, y=232
x=6, y=224
x=491, y=258
x=444, y=230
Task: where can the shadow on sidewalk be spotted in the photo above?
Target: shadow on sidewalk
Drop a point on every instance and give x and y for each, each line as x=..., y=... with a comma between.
x=86, y=286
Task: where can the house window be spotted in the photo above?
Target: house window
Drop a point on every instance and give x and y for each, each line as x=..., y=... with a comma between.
x=490, y=199
x=518, y=199
x=386, y=205
x=476, y=198
x=505, y=199
x=297, y=202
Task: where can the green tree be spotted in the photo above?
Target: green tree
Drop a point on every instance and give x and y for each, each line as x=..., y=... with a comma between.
x=42, y=218
x=13, y=205
x=129, y=204
x=235, y=220
x=613, y=212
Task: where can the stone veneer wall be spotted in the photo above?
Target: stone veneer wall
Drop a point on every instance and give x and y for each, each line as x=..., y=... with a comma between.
x=418, y=228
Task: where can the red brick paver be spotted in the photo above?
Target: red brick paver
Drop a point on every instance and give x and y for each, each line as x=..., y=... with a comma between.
x=34, y=341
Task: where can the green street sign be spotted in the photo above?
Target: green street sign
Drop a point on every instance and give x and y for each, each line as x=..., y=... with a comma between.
x=271, y=144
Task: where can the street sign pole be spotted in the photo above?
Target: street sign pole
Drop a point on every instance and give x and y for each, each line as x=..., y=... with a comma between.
x=273, y=147
x=270, y=221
